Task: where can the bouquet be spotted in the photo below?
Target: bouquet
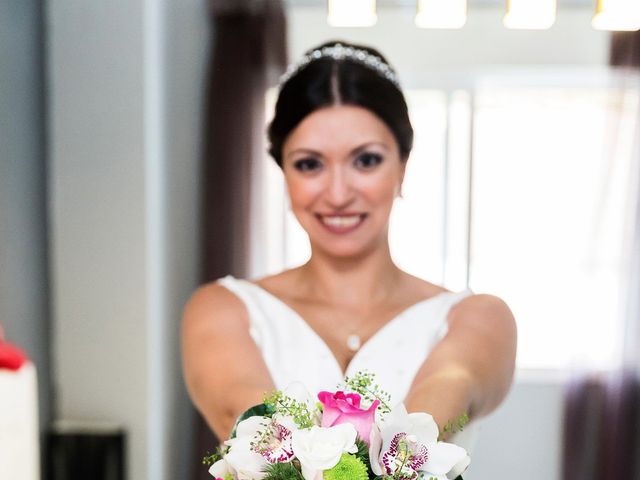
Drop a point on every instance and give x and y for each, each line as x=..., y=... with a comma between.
x=350, y=434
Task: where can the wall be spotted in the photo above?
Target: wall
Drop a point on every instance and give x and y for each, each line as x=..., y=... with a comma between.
x=188, y=33
x=432, y=57
x=522, y=439
x=24, y=296
x=126, y=79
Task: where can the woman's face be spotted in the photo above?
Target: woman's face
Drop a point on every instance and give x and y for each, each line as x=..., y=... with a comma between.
x=343, y=171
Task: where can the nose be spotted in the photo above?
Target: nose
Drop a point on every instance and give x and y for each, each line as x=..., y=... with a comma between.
x=339, y=191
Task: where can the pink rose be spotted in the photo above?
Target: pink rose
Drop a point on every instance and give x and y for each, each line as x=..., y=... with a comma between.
x=345, y=408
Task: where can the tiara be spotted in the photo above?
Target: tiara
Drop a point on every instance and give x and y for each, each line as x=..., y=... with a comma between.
x=340, y=52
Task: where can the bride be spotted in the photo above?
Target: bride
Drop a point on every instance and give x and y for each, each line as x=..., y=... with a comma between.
x=342, y=136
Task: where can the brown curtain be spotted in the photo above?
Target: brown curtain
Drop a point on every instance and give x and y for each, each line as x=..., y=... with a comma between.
x=625, y=49
x=602, y=411
x=602, y=427
x=248, y=55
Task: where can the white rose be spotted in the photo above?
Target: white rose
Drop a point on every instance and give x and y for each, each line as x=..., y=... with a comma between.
x=320, y=449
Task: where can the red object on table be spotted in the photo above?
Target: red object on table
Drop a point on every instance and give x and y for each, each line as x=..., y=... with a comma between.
x=11, y=357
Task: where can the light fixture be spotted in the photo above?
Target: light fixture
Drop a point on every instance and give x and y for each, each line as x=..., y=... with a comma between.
x=530, y=14
x=441, y=13
x=352, y=13
x=618, y=15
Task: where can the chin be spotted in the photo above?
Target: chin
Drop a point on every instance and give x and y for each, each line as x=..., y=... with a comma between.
x=343, y=250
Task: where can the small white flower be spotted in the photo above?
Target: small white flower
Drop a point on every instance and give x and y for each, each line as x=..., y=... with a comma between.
x=408, y=443
x=320, y=449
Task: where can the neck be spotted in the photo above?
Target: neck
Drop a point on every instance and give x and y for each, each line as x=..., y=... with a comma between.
x=364, y=280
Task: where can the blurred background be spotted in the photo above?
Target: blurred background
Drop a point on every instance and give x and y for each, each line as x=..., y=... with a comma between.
x=133, y=168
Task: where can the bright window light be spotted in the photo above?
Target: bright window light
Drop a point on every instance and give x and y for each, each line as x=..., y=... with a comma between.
x=549, y=208
x=617, y=15
x=352, y=13
x=441, y=13
x=530, y=14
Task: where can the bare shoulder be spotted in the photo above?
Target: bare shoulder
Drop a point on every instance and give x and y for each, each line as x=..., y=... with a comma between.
x=483, y=312
x=214, y=306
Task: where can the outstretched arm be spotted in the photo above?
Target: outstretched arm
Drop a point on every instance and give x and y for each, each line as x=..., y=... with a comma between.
x=223, y=368
x=471, y=369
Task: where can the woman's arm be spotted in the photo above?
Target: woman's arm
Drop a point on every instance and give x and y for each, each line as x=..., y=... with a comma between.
x=223, y=368
x=471, y=369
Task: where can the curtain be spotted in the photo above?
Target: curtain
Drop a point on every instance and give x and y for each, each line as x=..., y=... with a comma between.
x=602, y=411
x=248, y=56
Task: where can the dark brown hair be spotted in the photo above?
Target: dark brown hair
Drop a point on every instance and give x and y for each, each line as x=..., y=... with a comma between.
x=328, y=81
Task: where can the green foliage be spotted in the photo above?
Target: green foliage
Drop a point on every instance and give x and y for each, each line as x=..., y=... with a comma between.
x=350, y=467
x=282, y=471
x=363, y=383
x=279, y=403
x=363, y=455
x=456, y=425
x=211, y=458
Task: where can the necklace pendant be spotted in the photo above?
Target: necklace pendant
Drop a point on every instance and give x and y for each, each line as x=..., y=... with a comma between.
x=353, y=342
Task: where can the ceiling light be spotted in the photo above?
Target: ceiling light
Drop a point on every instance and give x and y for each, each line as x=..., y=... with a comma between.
x=618, y=15
x=530, y=14
x=441, y=13
x=352, y=13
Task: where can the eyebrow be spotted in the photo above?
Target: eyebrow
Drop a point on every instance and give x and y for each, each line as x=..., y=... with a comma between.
x=355, y=151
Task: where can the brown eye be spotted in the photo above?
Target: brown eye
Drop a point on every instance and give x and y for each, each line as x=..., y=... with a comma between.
x=368, y=160
x=307, y=164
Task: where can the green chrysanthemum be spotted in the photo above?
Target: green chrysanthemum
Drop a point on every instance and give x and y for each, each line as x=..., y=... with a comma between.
x=348, y=468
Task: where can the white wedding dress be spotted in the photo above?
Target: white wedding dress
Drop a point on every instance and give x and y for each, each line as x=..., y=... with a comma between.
x=294, y=352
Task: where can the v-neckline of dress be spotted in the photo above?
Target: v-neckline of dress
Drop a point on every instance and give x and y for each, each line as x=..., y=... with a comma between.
x=301, y=320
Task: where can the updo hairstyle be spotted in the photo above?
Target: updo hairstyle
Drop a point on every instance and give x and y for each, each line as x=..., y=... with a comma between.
x=328, y=81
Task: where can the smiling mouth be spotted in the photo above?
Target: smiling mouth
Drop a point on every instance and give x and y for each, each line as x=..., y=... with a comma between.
x=341, y=223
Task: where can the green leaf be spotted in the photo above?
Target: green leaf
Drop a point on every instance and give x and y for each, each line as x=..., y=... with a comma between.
x=363, y=455
x=282, y=471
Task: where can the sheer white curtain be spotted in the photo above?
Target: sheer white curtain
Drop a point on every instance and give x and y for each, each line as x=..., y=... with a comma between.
x=602, y=410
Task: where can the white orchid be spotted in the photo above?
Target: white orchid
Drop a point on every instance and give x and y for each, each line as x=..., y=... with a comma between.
x=220, y=469
x=241, y=459
x=320, y=449
x=407, y=443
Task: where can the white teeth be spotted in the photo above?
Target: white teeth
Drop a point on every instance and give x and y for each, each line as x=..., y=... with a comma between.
x=342, y=222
